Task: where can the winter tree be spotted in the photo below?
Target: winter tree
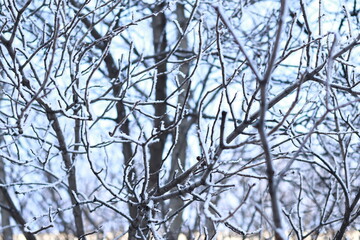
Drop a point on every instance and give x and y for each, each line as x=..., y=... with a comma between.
x=158, y=119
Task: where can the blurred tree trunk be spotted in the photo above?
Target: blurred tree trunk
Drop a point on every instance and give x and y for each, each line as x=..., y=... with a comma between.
x=6, y=200
x=77, y=211
x=127, y=151
x=113, y=72
x=160, y=44
x=68, y=229
x=14, y=212
x=71, y=171
x=7, y=233
x=157, y=148
x=178, y=156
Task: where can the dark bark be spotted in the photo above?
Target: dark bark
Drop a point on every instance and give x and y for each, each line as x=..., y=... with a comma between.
x=113, y=73
x=5, y=214
x=160, y=43
x=15, y=213
x=347, y=215
x=51, y=116
x=179, y=152
x=70, y=167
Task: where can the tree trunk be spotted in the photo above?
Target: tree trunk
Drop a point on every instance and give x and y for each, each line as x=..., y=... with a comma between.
x=70, y=167
x=7, y=233
x=5, y=215
x=15, y=213
x=179, y=153
x=138, y=228
x=160, y=43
